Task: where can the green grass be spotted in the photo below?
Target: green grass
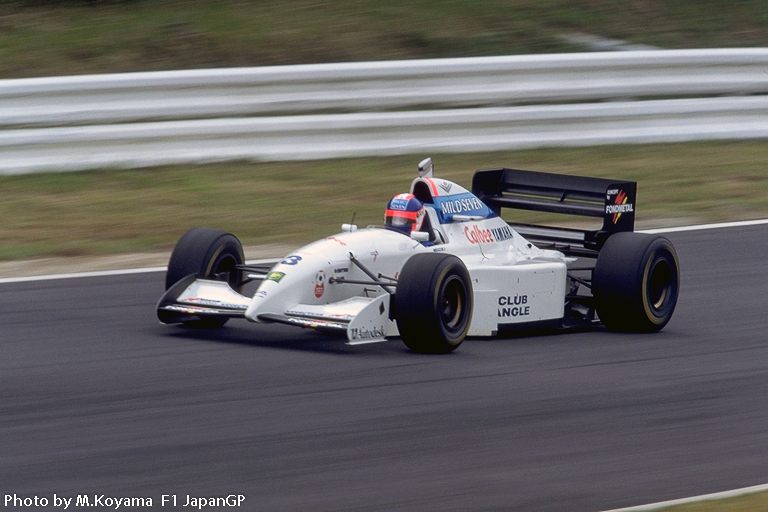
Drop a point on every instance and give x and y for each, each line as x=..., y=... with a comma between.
x=118, y=211
x=39, y=38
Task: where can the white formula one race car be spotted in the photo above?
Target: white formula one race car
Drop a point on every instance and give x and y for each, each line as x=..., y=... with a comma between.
x=445, y=266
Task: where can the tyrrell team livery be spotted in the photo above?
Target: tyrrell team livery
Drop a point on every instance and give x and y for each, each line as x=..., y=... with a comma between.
x=444, y=266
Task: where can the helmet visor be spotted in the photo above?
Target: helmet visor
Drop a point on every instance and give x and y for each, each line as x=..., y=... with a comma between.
x=400, y=218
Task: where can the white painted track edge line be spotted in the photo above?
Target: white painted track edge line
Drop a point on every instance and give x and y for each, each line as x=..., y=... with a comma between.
x=701, y=227
x=75, y=275
x=145, y=270
x=104, y=273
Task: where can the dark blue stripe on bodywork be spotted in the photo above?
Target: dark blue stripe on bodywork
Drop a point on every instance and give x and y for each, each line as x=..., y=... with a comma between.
x=461, y=204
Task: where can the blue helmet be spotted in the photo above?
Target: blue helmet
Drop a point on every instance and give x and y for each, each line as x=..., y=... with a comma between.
x=404, y=213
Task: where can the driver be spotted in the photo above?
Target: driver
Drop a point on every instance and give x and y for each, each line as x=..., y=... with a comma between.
x=404, y=213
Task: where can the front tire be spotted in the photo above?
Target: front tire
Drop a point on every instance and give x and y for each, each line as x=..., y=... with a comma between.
x=208, y=254
x=433, y=303
x=636, y=282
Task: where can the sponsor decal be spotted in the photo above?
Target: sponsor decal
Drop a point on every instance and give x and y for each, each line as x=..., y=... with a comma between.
x=342, y=270
x=214, y=302
x=477, y=235
x=620, y=204
x=400, y=202
x=502, y=233
x=463, y=205
x=275, y=276
x=364, y=333
x=446, y=185
x=375, y=255
x=319, y=283
x=314, y=324
x=318, y=316
x=185, y=309
x=513, y=306
x=261, y=294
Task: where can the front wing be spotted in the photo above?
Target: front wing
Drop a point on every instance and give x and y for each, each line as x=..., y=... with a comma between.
x=361, y=319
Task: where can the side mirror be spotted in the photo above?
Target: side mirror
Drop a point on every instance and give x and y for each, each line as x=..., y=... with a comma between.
x=420, y=236
x=348, y=228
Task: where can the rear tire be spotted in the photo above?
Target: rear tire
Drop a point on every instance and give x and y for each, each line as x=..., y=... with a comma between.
x=208, y=254
x=636, y=282
x=433, y=303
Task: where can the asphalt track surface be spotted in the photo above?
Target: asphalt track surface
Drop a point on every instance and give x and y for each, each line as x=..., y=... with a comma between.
x=100, y=399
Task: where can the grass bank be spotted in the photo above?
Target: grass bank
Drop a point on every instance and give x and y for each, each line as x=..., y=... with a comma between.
x=119, y=211
x=65, y=37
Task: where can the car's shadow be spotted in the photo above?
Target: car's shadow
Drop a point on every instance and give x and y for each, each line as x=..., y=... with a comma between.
x=308, y=340
x=281, y=337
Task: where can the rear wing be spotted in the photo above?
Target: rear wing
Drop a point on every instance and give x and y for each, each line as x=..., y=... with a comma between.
x=611, y=200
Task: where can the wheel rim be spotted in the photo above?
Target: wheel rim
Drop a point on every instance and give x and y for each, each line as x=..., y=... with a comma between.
x=453, y=304
x=661, y=284
x=225, y=269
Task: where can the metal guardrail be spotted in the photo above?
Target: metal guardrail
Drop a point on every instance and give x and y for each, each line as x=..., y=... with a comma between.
x=377, y=108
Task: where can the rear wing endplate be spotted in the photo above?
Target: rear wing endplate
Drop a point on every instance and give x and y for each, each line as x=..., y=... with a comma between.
x=611, y=200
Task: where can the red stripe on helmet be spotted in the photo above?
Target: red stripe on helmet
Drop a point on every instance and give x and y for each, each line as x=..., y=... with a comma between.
x=402, y=214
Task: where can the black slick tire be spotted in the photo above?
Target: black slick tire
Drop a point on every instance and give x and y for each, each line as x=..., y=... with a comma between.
x=433, y=303
x=636, y=282
x=209, y=254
